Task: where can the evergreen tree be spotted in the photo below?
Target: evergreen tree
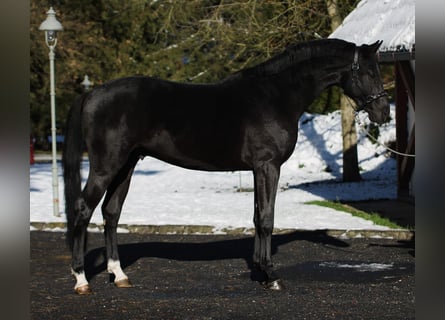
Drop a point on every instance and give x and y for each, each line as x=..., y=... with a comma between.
x=183, y=40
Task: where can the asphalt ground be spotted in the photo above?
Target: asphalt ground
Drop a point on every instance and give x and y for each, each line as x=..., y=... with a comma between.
x=211, y=277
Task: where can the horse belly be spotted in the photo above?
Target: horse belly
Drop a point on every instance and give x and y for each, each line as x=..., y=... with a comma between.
x=198, y=154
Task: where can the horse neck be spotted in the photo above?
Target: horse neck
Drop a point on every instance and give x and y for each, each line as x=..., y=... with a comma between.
x=300, y=74
x=308, y=77
x=322, y=75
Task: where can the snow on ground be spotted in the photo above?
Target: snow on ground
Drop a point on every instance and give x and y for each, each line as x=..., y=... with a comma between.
x=162, y=194
x=361, y=267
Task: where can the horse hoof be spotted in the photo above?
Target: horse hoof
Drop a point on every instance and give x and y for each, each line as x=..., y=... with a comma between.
x=124, y=283
x=83, y=290
x=274, y=285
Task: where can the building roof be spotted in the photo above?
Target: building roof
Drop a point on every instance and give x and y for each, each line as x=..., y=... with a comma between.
x=392, y=21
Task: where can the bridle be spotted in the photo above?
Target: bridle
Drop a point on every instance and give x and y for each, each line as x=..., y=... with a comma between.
x=370, y=98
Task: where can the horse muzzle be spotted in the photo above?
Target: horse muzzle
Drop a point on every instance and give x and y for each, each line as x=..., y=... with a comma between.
x=377, y=107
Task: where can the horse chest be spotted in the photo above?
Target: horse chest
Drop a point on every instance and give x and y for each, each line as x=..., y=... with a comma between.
x=272, y=141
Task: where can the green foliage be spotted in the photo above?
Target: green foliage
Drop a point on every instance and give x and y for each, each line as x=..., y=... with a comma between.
x=328, y=101
x=183, y=40
x=374, y=217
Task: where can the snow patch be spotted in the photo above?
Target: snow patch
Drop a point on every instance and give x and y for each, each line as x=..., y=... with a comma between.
x=162, y=194
x=361, y=267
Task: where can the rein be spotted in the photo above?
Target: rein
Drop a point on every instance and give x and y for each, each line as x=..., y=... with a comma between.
x=362, y=127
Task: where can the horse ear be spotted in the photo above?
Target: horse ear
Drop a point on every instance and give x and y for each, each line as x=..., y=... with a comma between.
x=375, y=46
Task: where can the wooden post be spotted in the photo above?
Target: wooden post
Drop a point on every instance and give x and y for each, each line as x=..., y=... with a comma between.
x=401, y=99
x=404, y=77
x=350, y=159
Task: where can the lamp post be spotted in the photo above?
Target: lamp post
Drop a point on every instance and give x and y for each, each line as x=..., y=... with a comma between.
x=51, y=26
x=86, y=83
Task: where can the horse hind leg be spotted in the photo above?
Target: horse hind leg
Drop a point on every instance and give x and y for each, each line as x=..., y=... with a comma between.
x=85, y=205
x=111, y=210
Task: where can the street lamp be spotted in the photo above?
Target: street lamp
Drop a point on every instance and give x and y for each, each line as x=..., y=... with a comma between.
x=51, y=26
x=86, y=83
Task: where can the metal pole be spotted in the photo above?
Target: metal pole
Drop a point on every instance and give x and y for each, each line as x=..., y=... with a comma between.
x=53, y=135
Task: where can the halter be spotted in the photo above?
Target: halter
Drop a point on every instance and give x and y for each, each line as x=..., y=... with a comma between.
x=370, y=98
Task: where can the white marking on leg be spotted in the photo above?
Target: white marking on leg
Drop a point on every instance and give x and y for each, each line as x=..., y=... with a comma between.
x=114, y=266
x=81, y=280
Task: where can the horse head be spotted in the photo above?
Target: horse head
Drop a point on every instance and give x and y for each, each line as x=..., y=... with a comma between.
x=363, y=83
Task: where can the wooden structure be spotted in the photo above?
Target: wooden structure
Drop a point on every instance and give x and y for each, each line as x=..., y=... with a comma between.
x=405, y=121
x=392, y=21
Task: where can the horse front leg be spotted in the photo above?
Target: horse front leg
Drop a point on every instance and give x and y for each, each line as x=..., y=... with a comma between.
x=266, y=182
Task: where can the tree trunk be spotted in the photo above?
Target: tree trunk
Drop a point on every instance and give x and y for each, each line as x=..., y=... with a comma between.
x=334, y=14
x=350, y=158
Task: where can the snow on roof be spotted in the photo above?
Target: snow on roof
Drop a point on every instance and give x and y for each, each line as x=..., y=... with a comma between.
x=392, y=21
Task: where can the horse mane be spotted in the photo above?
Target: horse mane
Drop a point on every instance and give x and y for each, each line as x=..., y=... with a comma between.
x=295, y=54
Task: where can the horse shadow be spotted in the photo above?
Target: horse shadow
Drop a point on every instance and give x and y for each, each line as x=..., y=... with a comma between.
x=403, y=244
x=241, y=248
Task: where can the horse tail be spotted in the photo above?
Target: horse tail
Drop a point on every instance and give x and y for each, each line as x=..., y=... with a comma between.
x=71, y=158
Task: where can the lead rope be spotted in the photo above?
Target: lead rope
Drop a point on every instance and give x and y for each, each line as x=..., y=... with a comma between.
x=362, y=127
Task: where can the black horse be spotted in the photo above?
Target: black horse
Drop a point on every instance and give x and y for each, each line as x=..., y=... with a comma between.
x=247, y=121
